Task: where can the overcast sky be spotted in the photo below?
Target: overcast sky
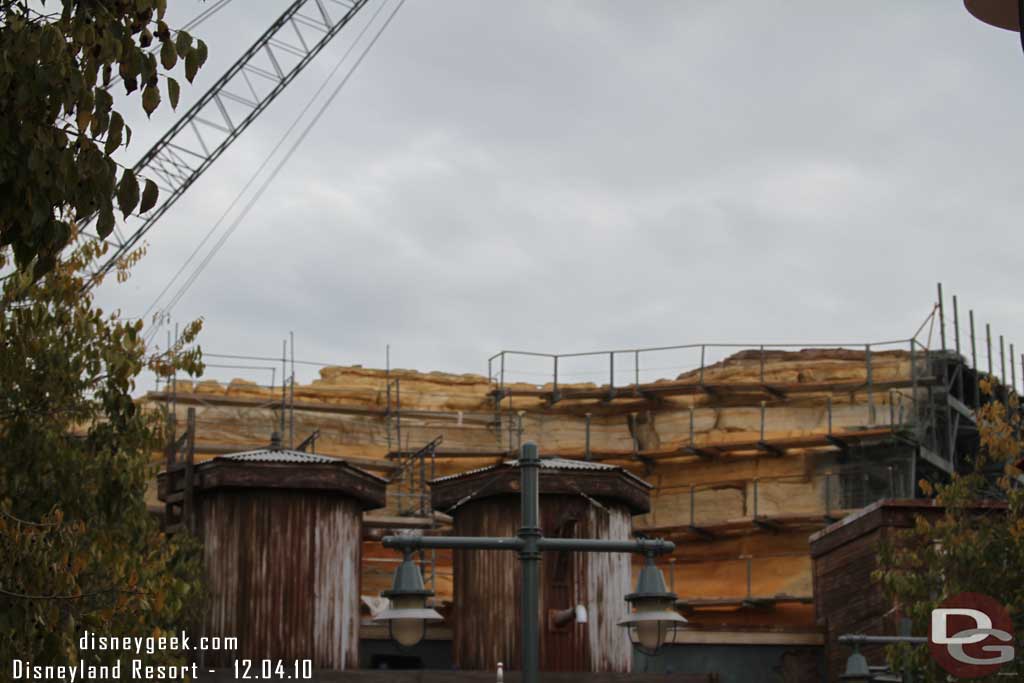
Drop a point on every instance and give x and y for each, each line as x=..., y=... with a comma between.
x=568, y=176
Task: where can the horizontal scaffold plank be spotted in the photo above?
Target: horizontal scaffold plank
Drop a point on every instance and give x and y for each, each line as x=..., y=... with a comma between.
x=704, y=449
x=691, y=388
x=748, y=524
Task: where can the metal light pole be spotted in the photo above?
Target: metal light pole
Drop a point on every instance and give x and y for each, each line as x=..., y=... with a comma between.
x=530, y=543
x=857, y=669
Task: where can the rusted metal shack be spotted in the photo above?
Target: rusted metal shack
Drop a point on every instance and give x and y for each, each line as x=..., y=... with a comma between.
x=578, y=499
x=281, y=534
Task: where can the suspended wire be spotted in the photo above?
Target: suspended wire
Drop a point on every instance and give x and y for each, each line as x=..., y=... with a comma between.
x=276, y=170
x=205, y=14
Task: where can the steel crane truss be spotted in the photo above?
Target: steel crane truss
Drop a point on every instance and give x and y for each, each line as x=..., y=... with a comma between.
x=206, y=130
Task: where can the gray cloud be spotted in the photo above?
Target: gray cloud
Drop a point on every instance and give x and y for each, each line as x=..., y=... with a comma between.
x=582, y=175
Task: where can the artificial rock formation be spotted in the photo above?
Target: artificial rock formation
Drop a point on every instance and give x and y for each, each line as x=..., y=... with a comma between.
x=740, y=490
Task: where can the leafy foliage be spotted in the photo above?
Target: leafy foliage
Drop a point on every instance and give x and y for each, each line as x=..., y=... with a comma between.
x=58, y=125
x=80, y=549
x=974, y=547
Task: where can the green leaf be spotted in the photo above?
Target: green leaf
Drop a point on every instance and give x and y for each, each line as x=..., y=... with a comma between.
x=127, y=192
x=173, y=92
x=150, y=99
x=114, y=133
x=149, y=196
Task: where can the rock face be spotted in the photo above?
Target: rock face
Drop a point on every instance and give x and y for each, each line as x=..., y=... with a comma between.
x=739, y=453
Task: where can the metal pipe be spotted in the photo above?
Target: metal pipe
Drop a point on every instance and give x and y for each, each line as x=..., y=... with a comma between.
x=284, y=385
x=703, y=348
x=942, y=319
x=586, y=448
x=632, y=431
x=1002, y=361
x=762, y=419
x=974, y=346
x=398, y=411
x=858, y=638
x=956, y=326
x=611, y=373
x=974, y=362
x=291, y=398
x=529, y=558
x=693, y=496
x=871, y=393
x=1013, y=370
x=988, y=346
x=595, y=545
x=452, y=542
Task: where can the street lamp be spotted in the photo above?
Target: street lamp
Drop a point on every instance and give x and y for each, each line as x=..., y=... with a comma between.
x=408, y=614
x=653, y=616
x=857, y=669
x=529, y=543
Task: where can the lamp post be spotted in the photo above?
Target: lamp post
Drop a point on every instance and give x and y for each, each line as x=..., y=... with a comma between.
x=650, y=624
x=857, y=669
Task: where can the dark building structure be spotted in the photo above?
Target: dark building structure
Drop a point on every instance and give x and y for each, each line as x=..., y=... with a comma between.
x=583, y=594
x=281, y=534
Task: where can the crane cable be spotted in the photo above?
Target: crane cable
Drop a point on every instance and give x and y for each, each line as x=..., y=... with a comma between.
x=190, y=280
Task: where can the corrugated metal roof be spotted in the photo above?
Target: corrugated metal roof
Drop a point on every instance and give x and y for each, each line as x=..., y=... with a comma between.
x=557, y=464
x=291, y=457
x=270, y=455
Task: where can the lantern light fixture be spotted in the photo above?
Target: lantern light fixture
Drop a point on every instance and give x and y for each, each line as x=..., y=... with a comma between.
x=857, y=669
x=654, y=617
x=408, y=614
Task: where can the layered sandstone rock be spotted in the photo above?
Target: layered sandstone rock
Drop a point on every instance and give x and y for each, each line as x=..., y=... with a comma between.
x=349, y=406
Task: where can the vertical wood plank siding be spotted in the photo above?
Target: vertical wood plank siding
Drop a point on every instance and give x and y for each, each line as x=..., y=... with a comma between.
x=282, y=568
x=486, y=606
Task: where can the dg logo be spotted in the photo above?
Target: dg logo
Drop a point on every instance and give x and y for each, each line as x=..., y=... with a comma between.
x=971, y=635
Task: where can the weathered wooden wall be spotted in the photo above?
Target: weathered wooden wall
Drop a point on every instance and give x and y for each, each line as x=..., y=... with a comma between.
x=844, y=556
x=283, y=572
x=485, y=612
